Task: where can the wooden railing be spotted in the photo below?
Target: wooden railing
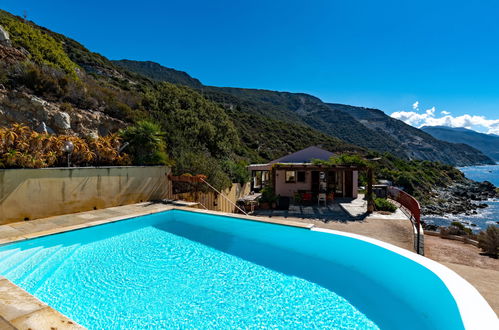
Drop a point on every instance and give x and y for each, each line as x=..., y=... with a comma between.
x=411, y=207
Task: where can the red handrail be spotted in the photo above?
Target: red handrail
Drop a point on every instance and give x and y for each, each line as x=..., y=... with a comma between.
x=411, y=204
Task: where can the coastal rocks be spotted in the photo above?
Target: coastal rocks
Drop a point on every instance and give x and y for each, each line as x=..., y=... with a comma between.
x=460, y=198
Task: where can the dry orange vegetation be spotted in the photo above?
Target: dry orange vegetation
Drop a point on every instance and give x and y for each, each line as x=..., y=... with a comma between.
x=21, y=147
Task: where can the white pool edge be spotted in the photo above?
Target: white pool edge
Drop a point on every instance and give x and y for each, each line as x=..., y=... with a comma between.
x=475, y=312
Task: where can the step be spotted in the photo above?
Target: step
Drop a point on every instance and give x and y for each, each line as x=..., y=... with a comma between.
x=4, y=254
x=34, y=280
x=17, y=258
x=24, y=269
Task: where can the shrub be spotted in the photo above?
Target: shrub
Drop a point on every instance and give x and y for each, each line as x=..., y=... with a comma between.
x=237, y=171
x=488, y=241
x=268, y=195
x=20, y=147
x=196, y=163
x=461, y=229
x=382, y=204
x=456, y=228
x=146, y=144
x=42, y=48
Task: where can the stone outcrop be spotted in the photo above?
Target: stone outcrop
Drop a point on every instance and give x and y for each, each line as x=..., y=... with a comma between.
x=62, y=121
x=45, y=116
x=11, y=55
x=4, y=36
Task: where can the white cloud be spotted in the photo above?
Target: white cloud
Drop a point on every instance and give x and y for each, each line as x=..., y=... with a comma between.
x=415, y=106
x=428, y=118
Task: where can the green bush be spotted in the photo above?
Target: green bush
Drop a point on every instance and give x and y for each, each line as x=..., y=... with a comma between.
x=456, y=228
x=268, y=195
x=190, y=121
x=43, y=49
x=488, y=241
x=237, y=171
x=382, y=204
x=146, y=144
x=462, y=229
x=196, y=163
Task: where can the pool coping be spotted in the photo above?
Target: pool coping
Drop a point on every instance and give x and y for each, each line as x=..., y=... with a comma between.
x=474, y=309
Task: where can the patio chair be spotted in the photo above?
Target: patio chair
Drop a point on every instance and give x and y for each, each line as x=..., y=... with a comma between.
x=321, y=198
x=306, y=197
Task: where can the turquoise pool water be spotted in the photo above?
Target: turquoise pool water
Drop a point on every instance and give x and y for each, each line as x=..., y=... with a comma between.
x=181, y=269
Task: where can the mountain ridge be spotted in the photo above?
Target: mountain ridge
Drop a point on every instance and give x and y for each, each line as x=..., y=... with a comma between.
x=486, y=143
x=55, y=85
x=364, y=127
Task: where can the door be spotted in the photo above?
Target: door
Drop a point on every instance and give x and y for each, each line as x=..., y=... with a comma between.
x=348, y=184
x=315, y=183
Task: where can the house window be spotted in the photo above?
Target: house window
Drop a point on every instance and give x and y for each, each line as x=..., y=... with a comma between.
x=290, y=176
x=300, y=176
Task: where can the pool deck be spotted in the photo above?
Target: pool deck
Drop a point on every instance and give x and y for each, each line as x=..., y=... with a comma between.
x=21, y=310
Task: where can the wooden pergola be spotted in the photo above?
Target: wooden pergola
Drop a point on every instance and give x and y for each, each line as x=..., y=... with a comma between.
x=324, y=168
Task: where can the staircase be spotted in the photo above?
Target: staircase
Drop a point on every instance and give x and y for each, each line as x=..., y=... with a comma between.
x=30, y=268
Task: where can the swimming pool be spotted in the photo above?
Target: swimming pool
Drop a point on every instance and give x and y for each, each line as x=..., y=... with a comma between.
x=190, y=269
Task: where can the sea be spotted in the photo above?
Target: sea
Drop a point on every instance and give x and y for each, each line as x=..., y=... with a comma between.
x=484, y=217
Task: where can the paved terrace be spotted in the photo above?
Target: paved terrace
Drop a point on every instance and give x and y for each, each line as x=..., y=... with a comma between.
x=350, y=215
x=21, y=310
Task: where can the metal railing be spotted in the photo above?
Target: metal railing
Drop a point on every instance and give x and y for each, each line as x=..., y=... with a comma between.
x=411, y=207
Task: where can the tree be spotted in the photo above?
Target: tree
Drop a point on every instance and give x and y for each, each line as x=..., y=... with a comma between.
x=146, y=144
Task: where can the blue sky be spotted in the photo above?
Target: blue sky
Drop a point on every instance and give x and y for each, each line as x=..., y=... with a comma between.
x=382, y=54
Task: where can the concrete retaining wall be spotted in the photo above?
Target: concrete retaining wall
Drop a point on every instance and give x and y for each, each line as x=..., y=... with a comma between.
x=39, y=193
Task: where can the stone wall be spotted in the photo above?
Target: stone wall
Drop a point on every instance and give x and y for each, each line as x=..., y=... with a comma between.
x=27, y=194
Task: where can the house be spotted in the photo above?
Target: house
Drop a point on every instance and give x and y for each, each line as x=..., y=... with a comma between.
x=296, y=174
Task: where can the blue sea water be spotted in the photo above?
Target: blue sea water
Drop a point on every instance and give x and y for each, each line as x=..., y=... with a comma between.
x=181, y=269
x=485, y=217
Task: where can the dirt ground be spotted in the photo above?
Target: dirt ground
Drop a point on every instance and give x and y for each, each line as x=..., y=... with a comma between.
x=465, y=259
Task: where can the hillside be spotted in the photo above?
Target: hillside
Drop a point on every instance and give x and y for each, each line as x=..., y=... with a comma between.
x=486, y=143
x=158, y=72
x=55, y=85
x=304, y=109
x=413, y=142
x=367, y=128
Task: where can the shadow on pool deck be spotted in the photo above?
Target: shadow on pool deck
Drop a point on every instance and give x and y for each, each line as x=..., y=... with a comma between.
x=342, y=210
x=330, y=212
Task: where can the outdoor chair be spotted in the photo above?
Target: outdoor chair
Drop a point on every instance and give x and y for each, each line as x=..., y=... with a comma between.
x=321, y=198
x=306, y=197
